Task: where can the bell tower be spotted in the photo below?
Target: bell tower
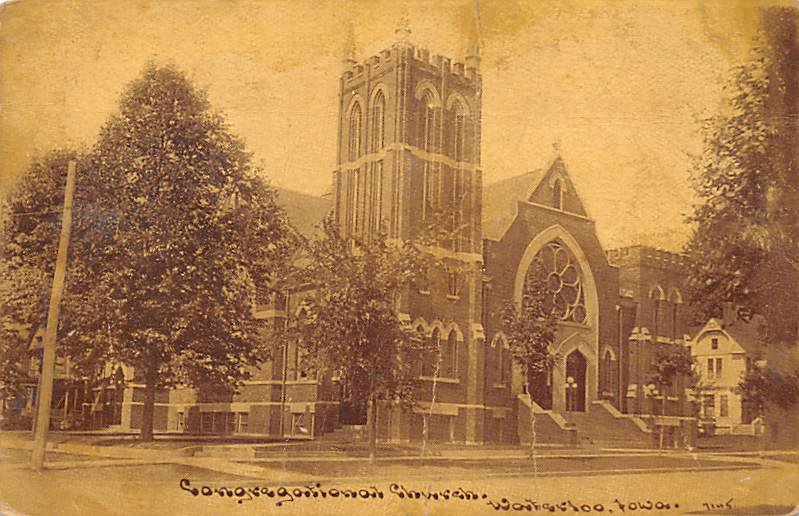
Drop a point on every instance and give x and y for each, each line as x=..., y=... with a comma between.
x=408, y=160
x=409, y=145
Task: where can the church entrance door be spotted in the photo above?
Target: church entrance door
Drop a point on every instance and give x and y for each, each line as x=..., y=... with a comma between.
x=576, y=365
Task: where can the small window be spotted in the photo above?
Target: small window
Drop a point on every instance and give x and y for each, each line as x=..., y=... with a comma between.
x=500, y=362
x=180, y=423
x=714, y=343
x=242, y=422
x=300, y=424
x=710, y=368
x=557, y=194
x=724, y=408
x=718, y=368
x=454, y=284
x=207, y=422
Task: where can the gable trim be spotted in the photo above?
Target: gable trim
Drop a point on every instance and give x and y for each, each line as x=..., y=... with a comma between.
x=555, y=210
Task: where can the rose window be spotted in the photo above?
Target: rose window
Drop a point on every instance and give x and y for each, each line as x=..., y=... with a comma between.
x=561, y=274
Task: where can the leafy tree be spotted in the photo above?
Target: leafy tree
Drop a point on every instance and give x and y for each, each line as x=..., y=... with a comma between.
x=175, y=234
x=762, y=385
x=28, y=243
x=352, y=324
x=531, y=329
x=670, y=363
x=745, y=247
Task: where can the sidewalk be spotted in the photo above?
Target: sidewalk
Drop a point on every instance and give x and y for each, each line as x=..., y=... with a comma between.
x=292, y=461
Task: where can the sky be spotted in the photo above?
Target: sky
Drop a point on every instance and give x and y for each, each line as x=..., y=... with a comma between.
x=622, y=85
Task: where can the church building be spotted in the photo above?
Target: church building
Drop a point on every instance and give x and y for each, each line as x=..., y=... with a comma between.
x=409, y=152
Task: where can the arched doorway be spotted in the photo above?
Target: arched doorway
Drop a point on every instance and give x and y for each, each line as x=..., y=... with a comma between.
x=576, y=365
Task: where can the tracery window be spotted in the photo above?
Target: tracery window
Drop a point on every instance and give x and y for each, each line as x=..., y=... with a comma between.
x=458, y=131
x=354, y=147
x=451, y=365
x=378, y=122
x=564, y=281
x=429, y=129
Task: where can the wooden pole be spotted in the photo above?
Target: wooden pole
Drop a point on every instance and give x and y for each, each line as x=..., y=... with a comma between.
x=48, y=356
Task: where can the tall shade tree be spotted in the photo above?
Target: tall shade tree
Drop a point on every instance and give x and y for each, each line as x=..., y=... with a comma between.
x=745, y=247
x=175, y=236
x=352, y=325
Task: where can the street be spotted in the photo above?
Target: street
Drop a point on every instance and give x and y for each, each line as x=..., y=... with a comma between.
x=75, y=484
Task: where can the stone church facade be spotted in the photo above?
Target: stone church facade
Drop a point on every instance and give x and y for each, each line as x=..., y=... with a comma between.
x=409, y=154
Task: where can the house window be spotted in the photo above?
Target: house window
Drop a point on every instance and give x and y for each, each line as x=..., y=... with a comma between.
x=724, y=408
x=714, y=343
x=710, y=368
x=718, y=368
x=709, y=405
x=242, y=422
x=220, y=422
x=180, y=422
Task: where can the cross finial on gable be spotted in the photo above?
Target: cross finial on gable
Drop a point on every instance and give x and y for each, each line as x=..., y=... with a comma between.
x=403, y=30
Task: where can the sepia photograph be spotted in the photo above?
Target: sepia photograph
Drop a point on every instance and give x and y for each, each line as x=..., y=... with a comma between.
x=399, y=257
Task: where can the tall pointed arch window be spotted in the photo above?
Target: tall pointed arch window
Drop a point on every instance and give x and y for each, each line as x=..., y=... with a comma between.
x=451, y=364
x=607, y=372
x=429, y=119
x=428, y=130
x=557, y=194
x=457, y=187
x=658, y=298
x=431, y=364
x=675, y=300
x=458, y=131
x=353, y=153
x=378, y=122
x=354, y=144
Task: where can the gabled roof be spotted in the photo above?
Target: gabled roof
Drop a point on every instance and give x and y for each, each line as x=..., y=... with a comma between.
x=749, y=335
x=501, y=199
x=305, y=212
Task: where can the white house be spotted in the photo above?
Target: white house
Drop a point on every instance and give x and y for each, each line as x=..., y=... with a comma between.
x=723, y=350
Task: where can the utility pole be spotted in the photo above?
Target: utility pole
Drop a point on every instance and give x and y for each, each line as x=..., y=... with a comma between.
x=48, y=356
